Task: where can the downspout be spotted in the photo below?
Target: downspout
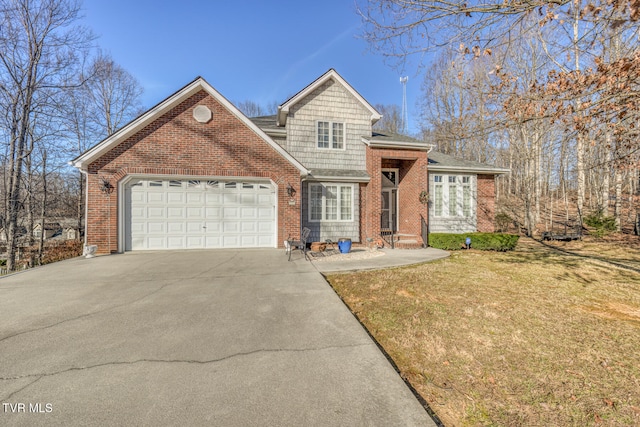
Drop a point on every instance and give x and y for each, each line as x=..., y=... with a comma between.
x=86, y=207
x=431, y=147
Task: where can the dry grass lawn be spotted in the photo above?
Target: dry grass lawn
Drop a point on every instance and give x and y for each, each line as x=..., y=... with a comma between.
x=532, y=337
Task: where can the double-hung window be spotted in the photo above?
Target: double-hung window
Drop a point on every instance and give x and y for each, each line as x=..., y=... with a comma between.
x=330, y=135
x=330, y=202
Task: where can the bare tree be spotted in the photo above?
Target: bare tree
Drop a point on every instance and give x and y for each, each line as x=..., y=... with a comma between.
x=39, y=45
x=114, y=95
x=391, y=118
x=96, y=105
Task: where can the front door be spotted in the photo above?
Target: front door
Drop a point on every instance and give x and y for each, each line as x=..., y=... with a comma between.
x=389, y=216
x=389, y=213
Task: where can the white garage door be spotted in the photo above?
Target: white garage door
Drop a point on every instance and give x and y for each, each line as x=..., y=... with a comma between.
x=198, y=214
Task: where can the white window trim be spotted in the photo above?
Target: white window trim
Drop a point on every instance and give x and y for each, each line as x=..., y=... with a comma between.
x=344, y=135
x=339, y=203
x=459, y=195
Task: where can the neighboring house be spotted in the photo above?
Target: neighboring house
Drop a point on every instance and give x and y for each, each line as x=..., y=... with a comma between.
x=194, y=172
x=21, y=232
x=50, y=230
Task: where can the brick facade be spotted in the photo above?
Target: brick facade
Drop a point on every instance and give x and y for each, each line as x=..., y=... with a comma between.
x=175, y=144
x=413, y=179
x=486, y=203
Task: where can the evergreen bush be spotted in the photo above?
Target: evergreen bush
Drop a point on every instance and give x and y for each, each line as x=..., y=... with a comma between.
x=500, y=242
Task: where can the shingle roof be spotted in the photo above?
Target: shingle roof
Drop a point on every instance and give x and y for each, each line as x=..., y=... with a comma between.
x=265, y=123
x=339, y=174
x=444, y=162
x=383, y=135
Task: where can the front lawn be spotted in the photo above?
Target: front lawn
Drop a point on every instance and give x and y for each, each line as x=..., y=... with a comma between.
x=529, y=337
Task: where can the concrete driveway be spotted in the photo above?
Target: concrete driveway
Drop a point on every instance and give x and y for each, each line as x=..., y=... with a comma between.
x=232, y=338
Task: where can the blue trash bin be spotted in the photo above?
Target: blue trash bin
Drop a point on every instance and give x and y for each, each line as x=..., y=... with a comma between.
x=344, y=246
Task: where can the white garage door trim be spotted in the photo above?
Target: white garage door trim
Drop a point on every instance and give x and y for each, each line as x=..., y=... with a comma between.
x=187, y=212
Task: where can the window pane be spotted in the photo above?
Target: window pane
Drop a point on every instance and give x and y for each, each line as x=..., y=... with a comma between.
x=438, y=200
x=338, y=135
x=345, y=203
x=315, y=202
x=331, y=202
x=452, y=179
x=466, y=201
x=466, y=179
x=453, y=200
x=323, y=134
x=437, y=178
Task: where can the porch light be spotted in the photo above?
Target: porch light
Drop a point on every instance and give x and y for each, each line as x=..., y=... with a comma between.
x=290, y=190
x=106, y=186
x=424, y=197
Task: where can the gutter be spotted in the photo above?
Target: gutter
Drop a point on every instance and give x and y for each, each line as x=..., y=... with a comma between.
x=494, y=171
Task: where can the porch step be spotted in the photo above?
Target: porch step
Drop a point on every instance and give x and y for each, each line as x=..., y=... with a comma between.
x=404, y=241
x=408, y=244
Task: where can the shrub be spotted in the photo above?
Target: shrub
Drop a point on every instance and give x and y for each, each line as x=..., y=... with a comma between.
x=601, y=223
x=482, y=241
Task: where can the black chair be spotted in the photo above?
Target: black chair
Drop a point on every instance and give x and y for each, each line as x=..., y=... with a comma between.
x=300, y=245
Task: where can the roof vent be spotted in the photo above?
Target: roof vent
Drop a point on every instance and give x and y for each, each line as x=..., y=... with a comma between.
x=202, y=114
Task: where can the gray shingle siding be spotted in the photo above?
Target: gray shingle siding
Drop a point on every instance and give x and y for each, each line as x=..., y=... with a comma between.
x=329, y=102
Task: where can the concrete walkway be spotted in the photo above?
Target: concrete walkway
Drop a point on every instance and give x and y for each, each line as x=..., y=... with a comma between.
x=228, y=337
x=391, y=258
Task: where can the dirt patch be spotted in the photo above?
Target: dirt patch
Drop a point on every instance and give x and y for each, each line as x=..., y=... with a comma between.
x=615, y=311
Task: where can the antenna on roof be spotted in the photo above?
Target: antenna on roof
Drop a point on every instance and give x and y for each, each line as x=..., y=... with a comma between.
x=405, y=118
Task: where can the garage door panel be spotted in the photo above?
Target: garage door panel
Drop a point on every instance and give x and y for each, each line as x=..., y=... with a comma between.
x=176, y=242
x=195, y=242
x=194, y=198
x=184, y=214
x=194, y=213
x=229, y=199
x=265, y=213
x=175, y=198
x=213, y=227
x=176, y=227
x=249, y=213
x=248, y=241
x=265, y=200
x=248, y=199
x=213, y=213
x=194, y=227
x=213, y=199
x=138, y=213
x=230, y=226
x=249, y=228
x=155, y=212
x=265, y=227
x=155, y=227
x=263, y=241
x=156, y=242
x=155, y=197
x=230, y=213
x=175, y=213
x=213, y=241
x=230, y=241
x=137, y=196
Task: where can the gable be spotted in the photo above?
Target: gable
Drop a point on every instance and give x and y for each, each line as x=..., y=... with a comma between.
x=170, y=109
x=329, y=76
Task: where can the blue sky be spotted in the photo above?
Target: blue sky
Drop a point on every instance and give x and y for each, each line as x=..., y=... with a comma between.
x=263, y=51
